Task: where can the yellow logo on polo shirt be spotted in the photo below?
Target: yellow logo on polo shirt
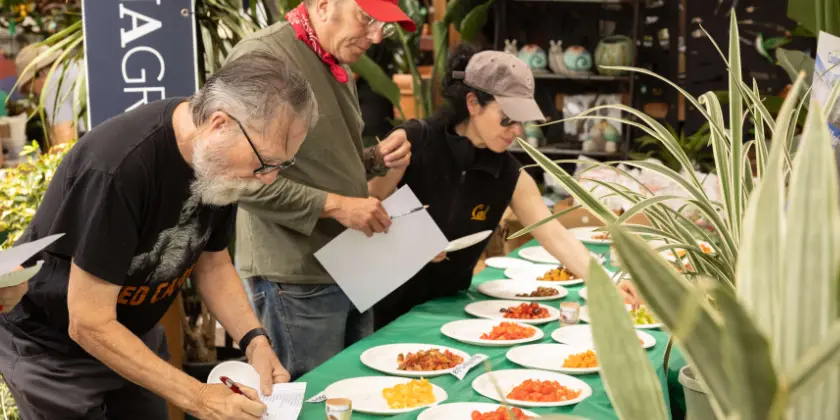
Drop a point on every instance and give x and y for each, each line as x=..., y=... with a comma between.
x=480, y=212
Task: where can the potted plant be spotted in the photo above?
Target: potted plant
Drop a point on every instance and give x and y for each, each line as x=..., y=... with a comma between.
x=758, y=320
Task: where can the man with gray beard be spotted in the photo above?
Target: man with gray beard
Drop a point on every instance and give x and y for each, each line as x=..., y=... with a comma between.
x=146, y=200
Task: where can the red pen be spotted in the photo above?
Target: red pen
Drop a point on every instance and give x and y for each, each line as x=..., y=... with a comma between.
x=230, y=384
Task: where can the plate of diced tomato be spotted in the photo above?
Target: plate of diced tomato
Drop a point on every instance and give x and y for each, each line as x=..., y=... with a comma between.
x=487, y=332
x=532, y=388
x=475, y=411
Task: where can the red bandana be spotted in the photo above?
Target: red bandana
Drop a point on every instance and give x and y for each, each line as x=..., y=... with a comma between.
x=299, y=20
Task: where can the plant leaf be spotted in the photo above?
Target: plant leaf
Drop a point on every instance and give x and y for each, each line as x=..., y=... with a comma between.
x=793, y=62
x=735, y=131
x=474, y=21
x=379, y=82
x=629, y=377
x=533, y=227
x=812, y=256
x=816, y=363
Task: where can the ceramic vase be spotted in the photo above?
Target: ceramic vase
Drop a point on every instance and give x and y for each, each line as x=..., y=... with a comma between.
x=534, y=57
x=615, y=50
x=510, y=46
x=555, y=57
x=577, y=59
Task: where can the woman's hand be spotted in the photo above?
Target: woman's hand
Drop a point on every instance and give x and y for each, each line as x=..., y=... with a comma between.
x=629, y=293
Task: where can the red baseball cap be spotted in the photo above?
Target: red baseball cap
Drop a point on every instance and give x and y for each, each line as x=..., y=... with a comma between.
x=387, y=11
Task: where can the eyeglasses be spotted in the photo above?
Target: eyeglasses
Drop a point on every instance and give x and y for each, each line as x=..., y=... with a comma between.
x=388, y=28
x=264, y=167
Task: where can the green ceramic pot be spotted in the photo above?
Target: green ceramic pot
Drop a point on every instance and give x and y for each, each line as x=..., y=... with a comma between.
x=615, y=50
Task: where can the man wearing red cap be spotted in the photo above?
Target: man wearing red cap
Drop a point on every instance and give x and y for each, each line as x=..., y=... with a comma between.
x=280, y=227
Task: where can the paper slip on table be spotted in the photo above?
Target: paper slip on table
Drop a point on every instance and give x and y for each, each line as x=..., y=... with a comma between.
x=422, y=325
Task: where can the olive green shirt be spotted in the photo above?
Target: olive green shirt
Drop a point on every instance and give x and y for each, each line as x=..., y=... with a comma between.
x=279, y=228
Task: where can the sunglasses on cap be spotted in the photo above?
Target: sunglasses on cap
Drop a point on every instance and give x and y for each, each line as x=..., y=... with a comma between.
x=264, y=167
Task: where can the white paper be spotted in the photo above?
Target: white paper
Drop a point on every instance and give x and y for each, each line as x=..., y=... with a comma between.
x=285, y=401
x=13, y=257
x=461, y=370
x=17, y=277
x=368, y=269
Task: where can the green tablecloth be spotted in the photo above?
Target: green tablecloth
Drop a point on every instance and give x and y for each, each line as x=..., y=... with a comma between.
x=422, y=325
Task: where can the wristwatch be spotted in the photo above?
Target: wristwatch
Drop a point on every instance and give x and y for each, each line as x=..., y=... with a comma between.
x=250, y=335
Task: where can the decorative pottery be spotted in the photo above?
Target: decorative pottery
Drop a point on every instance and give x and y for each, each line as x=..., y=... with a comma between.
x=510, y=46
x=555, y=57
x=576, y=58
x=533, y=133
x=534, y=56
x=614, y=50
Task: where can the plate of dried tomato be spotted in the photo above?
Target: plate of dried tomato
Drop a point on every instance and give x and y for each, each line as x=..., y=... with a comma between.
x=475, y=411
x=531, y=388
x=526, y=312
x=413, y=360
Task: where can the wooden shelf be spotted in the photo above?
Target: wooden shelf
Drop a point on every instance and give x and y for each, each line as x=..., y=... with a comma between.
x=551, y=150
x=593, y=77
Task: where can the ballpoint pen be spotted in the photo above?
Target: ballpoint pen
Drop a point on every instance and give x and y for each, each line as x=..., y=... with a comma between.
x=232, y=386
x=415, y=210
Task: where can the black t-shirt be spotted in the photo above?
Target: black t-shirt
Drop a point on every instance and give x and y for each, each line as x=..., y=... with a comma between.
x=467, y=190
x=122, y=198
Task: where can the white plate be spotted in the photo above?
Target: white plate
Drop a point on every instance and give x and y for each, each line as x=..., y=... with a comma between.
x=584, y=316
x=384, y=359
x=581, y=335
x=504, y=263
x=587, y=234
x=468, y=241
x=470, y=330
x=548, y=357
x=365, y=393
x=509, y=378
x=538, y=254
x=533, y=271
x=506, y=289
x=461, y=411
x=490, y=309
x=582, y=293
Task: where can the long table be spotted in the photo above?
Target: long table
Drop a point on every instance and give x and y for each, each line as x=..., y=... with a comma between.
x=422, y=325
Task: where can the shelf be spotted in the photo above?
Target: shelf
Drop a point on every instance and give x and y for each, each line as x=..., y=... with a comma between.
x=594, y=77
x=551, y=150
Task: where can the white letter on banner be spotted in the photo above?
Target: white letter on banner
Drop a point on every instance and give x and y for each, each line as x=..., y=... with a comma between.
x=142, y=78
x=149, y=26
x=145, y=90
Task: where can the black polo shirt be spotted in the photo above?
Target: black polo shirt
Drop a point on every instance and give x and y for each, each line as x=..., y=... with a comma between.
x=467, y=190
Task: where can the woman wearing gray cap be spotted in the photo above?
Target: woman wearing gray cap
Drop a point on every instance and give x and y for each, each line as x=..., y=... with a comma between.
x=460, y=167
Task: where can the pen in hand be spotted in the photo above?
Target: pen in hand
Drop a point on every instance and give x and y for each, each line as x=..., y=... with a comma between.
x=232, y=386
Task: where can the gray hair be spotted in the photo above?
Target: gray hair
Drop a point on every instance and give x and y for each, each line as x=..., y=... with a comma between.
x=255, y=88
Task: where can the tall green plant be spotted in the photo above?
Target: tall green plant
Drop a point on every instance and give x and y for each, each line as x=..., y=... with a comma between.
x=466, y=16
x=760, y=320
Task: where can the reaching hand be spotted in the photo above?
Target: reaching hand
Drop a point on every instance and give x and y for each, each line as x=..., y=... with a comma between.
x=262, y=357
x=396, y=149
x=629, y=293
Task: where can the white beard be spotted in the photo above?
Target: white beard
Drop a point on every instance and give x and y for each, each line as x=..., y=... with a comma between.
x=210, y=185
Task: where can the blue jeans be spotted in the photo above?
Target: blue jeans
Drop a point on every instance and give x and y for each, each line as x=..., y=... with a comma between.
x=308, y=323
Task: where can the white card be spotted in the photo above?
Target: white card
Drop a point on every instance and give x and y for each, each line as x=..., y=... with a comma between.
x=13, y=257
x=285, y=401
x=368, y=269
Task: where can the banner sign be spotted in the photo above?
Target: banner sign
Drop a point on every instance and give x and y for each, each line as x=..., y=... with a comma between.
x=137, y=52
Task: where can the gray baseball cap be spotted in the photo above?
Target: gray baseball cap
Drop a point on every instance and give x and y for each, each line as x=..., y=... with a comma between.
x=508, y=79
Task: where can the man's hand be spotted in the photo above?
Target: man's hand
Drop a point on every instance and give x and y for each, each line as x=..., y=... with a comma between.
x=262, y=357
x=396, y=149
x=629, y=293
x=217, y=402
x=364, y=214
x=10, y=296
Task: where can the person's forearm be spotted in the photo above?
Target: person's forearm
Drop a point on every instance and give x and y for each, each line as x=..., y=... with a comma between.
x=382, y=187
x=122, y=351
x=64, y=132
x=221, y=290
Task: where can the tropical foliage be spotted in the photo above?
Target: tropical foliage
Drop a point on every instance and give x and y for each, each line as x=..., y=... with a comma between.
x=758, y=319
